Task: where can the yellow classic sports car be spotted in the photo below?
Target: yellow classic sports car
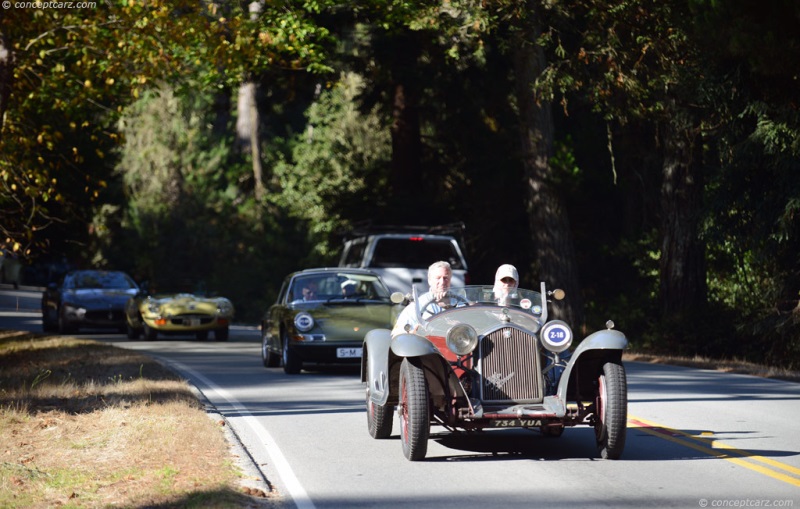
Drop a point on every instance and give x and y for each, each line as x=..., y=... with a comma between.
x=179, y=313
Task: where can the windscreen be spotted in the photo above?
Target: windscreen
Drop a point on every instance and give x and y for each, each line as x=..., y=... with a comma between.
x=414, y=253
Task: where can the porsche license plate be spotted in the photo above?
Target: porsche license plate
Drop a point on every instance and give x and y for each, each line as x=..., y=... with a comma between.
x=192, y=322
x=348, y=353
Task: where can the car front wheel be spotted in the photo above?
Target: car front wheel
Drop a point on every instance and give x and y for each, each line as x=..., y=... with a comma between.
x=150, y=334
x=132, y=332
x=611, y=411
x=415, y=426
x=222, y=334
x=379, y=419
x=64, y=327
x=291, y=362
x=269, y=358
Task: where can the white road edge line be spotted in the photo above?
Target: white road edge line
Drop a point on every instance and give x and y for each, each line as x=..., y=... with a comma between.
x=296, y=490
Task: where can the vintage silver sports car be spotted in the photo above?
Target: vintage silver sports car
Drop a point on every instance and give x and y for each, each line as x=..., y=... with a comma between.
x=482, y=364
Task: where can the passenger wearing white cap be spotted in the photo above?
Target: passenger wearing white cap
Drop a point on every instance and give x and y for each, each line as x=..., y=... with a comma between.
x=506, y=280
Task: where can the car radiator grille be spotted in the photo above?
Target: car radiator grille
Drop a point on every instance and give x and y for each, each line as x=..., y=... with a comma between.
x=105, y=315
x=510, y=367
x=191, y=319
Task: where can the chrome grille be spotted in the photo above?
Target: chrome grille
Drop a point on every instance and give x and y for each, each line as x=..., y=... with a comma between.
x=510, y=367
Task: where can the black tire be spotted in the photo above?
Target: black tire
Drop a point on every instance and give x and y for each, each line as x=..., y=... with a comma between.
x=269, y=358
x=292, y=364
x=150, y=334
x=201, y=335
x=415, y=425
x=47, y=323
x=379, y=419
x=222, y=334
x=611, y=411
x=132, y=332
x=64, y=327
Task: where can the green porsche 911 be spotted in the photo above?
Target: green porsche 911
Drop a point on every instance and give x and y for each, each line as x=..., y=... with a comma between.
x=321, y=316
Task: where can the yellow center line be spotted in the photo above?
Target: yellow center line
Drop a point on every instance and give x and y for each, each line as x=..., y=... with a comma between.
x=716, y=448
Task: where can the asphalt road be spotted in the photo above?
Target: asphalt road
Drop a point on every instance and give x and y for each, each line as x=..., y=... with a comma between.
x=696, y=438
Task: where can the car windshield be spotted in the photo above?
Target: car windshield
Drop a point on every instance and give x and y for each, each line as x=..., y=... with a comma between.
x=101, y=280
x=414, y=252
x=521, y=299
x=338, y=286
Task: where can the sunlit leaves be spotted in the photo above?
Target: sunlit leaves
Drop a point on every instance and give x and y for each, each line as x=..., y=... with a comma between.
x=81, y=67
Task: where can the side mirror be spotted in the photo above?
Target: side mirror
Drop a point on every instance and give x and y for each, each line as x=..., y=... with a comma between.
x=398, y=298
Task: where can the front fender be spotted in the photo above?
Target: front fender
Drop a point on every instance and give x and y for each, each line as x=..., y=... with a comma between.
x=412, y=345
x=375, y=364
x=601, y=346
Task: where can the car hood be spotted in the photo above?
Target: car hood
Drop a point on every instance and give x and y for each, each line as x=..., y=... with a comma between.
x=98, y=296
x=344, y=320
x=186, y=303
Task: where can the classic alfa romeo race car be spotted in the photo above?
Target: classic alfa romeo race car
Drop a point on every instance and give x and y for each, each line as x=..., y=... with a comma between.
x=482, y=364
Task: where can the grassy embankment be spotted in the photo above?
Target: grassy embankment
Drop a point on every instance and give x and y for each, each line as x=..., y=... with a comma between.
x=85, y=424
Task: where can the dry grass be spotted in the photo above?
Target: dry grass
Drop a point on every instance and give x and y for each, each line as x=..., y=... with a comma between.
x=724, y=365
x=84, y=424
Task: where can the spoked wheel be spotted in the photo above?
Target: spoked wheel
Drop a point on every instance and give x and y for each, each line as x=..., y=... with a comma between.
x=415, y=425
x=379, y=419
x=611, y=411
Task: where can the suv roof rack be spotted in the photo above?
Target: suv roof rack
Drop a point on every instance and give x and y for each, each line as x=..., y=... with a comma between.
x=362, y=228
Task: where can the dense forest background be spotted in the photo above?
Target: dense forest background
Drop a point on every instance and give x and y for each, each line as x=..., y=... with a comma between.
x=642, y=155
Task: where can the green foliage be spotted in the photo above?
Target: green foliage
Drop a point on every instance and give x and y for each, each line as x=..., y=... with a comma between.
x=337, y=164
x=97, y=153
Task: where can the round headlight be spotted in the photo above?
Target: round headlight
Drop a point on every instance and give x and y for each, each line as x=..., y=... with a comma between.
x=556, y=336
x=462, y=339
x=303, y=322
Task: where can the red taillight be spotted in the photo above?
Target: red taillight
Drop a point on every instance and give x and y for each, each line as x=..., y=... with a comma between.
x=416, y=239
x=466, y=278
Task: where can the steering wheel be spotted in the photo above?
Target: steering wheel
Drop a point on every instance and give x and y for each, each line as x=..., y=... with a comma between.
x=459, y=300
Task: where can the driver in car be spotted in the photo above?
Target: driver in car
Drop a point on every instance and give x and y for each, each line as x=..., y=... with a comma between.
x=431, y=302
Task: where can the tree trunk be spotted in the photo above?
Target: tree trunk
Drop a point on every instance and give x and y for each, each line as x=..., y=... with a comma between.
x=247, y=131
x=405, y=131
x=683, y=287
x=552, y=238
x=6, y=76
